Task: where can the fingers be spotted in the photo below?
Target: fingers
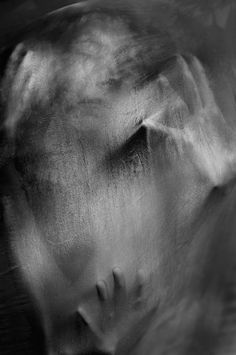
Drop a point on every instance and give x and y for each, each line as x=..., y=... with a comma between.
x=183, y=93
x=89, y=321
x=84, y=317
x=120, y=296
x=190, y=89
x=178, y=96
x=173, y=111
x=102, y=290
x=119, y=289
x=201, y=80
x=119, y=279
x=183, y=83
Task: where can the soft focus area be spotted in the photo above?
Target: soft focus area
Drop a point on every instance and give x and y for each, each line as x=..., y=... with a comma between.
x=117, y=177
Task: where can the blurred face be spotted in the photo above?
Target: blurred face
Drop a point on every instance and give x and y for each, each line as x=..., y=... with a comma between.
x=97, y=184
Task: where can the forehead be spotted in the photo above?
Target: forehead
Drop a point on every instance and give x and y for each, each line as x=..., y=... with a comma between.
x=83, y=57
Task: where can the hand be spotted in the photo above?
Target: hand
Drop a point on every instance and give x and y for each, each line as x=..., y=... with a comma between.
x=189, y=125
x=118, y=310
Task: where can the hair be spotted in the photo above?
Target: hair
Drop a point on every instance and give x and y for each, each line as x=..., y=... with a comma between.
x=33, y=66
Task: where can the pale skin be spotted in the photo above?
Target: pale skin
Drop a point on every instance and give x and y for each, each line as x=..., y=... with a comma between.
x=109, y=327
x=93, y=223
x=120, y=309
x=117, y=309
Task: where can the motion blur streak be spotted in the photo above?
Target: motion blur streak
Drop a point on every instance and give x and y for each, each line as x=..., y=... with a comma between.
x=118, y=167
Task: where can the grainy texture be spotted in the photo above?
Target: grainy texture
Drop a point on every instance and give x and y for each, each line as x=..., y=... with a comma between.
x=46, y=85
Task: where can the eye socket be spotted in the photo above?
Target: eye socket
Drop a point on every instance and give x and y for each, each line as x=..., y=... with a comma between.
x=132, y=156
x=136, y=146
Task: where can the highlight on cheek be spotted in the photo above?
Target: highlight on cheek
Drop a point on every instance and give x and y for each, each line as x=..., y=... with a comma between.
x=117, y=179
